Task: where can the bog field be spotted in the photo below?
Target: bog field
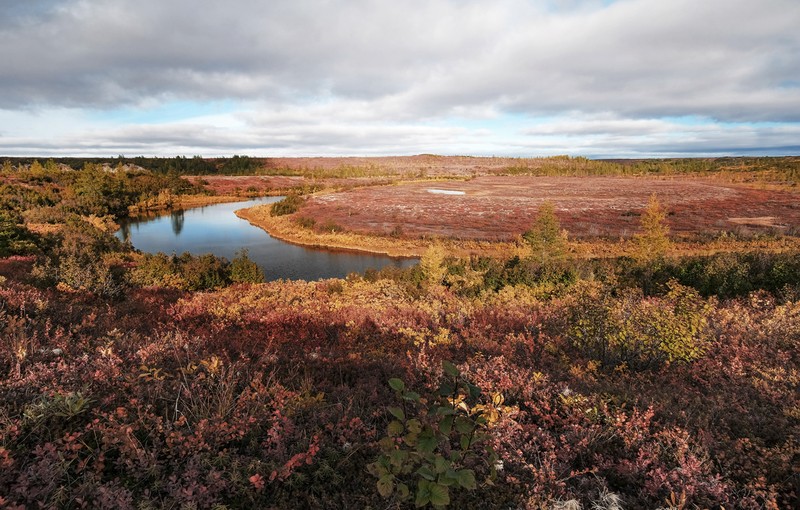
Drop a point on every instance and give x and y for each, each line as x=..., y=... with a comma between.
x=576, y=334
x=503, y=207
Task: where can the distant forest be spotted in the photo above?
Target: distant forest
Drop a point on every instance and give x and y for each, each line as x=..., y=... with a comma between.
x=179, y=165
x=785, y=169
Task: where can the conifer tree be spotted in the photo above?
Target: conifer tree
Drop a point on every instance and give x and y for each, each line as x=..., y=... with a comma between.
x=545, y=237
x=653, y=242
x=432, y=264
x=244, y=270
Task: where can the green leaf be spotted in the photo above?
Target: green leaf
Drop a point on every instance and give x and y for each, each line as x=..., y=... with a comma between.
x=414, y=426
x=427, y=442
x=440, y=464
x=386, y=485
x=466, y=479
x=445, y=410
x=396, y=384
x=426, y=473
x=423, y=493
x=395, y=428
x=398, y=457
x=450, y=369
x=397, y=413
x=402, y=490
x=446, y=425
x=446, y=480
x=474, y=391
x=446, y=389
x=465, y=442
x=440, y=495
x=464, y=425
x=411, y=396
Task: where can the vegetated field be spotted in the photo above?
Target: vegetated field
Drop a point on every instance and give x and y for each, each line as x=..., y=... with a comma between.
x=421, y=165
x=502, y=207
x=231, y=185
x=131, y=380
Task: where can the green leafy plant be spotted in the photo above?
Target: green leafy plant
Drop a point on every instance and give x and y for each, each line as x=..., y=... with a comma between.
x=435, y=446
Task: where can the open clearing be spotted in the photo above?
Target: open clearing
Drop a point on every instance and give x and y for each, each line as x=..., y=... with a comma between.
x=500, y=208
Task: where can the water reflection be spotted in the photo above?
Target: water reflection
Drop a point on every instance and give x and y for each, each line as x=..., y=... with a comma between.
x=216, y=229
x=177, y=218
x=124, y=233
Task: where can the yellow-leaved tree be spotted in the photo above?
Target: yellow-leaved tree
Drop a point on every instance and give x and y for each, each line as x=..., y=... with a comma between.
x=432, y=263
x=653, y=242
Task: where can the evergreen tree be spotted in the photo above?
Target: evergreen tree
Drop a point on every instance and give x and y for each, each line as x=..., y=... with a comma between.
x=244, y=270
x=546, y=239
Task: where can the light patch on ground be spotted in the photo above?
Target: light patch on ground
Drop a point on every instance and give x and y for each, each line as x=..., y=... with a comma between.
x=446, y=192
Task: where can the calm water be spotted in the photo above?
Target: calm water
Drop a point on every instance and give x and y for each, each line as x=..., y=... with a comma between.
x=216, y=229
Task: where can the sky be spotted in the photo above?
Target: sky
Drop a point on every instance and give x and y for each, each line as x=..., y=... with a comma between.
x=594, y=78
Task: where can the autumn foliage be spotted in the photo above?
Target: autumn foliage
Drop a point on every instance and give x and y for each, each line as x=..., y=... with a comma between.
x=278, y=395
x=468, y=383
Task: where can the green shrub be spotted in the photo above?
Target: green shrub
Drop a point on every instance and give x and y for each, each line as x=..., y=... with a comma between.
x=288, y=205
x=244, y=270
x=203, y=272
x=435, y=445
x=639, y=332
x=306, y=222
x=157, y=270
x=15, y=239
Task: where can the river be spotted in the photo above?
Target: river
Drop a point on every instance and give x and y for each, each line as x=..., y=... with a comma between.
x=216, y=229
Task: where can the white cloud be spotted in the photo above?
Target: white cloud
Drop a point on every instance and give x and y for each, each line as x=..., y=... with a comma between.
x=350, y=70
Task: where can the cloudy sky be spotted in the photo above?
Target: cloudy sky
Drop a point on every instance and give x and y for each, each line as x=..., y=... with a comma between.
x=597, y=78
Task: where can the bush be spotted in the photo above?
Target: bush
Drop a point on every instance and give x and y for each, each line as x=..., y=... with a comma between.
x=434, y=445
x=288, y=205
x=15, y=239
x=203, y=272
x=641, y=333
x=244, y=270
x=82, y=259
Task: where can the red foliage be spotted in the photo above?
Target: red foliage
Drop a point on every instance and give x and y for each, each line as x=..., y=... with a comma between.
x=276, y=395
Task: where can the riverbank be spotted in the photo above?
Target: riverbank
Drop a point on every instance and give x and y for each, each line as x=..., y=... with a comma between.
x=287, y=229
x=177, y=202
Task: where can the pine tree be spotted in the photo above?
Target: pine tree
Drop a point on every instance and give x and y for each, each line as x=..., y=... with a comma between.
x=545, y=237
x=244, y=270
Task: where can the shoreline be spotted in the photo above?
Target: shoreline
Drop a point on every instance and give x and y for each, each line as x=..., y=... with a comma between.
x=284, y=229
x=281, y=228
x=183, y=202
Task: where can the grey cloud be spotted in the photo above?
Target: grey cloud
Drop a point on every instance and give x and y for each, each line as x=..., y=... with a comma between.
x=377, y=77
x=726, y=59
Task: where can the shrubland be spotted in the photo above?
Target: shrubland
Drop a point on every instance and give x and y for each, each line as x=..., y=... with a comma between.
x=152, y=381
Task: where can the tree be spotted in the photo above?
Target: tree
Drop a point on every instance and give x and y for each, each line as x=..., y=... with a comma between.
x=244, y=270
x=653, y=242
x=432, y=264
x=545, y=237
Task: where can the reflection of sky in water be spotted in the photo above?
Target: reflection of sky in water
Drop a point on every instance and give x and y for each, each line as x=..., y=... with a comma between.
x=216, y=229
